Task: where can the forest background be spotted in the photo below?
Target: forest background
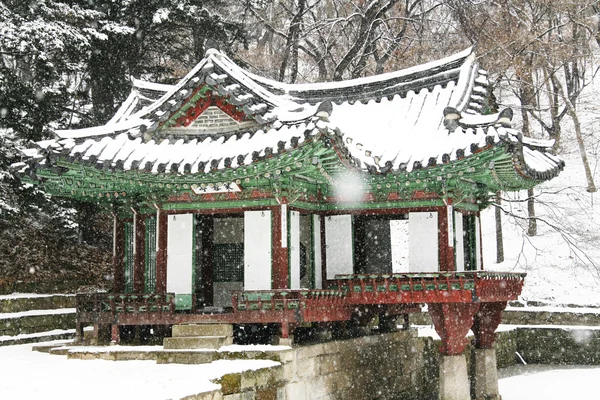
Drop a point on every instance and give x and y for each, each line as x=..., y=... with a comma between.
x=69, y=64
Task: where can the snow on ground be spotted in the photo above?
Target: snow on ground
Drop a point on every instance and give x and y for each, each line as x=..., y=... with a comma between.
x=14, y=296
x=28, y=374
x=579, y=332
x=563, y=264
x=563, y=260
x=32, y=313
x=549, y=382
x=23, y=336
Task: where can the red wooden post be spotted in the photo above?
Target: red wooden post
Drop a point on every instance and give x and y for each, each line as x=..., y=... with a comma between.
x=118, y=254
x=79, y=332
x=139, y=252
x=161, y=252
x=485, y=377
x=279, y=253
x=445, y=248
x=486, y=322
x=115, y=334
x=323, y=245
x=207, y=258
x=452, y=322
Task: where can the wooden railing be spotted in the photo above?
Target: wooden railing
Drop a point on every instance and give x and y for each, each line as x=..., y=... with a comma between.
x=92, y=307
x=286, y=299
x=444, y=287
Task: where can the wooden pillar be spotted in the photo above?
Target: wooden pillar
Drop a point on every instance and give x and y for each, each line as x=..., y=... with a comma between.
x=79, y=332
x=485, y=376
x=452, y=322
x=161, y=251
x=485, y=323
x=360, y=255
x=280, y=269
x=323, y=252
x=446, y=238
x=139, y=252
x=115, y=334
x=118, y=254
x=207, y=258
x=94, y=339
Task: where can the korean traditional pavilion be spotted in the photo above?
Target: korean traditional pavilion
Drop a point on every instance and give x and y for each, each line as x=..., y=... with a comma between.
x=238, y=199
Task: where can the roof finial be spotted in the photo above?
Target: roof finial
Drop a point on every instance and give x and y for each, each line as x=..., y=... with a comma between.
x=211, y=46
x=451, y=117
x=505, y=117
x=324, y=110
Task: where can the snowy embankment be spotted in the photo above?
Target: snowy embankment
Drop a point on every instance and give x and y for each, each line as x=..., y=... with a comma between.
x=563, y=260
x=34, y=375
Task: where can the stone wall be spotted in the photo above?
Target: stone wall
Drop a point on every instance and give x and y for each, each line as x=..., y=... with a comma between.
x=559, y=346
x=391, y=366
x=386, y=366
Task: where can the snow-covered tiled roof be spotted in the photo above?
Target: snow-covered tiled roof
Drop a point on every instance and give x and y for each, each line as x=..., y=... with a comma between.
x=411, y=119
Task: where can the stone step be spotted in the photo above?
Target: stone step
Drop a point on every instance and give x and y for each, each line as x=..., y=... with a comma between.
x=186, y=357
x=202, y=330
x=196, y=342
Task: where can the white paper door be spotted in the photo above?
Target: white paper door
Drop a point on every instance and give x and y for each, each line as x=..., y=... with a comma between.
x=257, y=250
x=400, y=239
x=294, y=250
x=423, y=242
x=338, y=245
x=179, y=258
x=317, y=251
x=459, y=244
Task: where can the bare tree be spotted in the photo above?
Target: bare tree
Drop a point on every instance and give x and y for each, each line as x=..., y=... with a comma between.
x=335, y=39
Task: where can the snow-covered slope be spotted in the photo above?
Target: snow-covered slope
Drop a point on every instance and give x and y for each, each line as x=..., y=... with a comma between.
x=563, y=260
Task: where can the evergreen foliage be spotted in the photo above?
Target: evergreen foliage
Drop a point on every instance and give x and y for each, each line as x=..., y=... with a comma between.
x=67, y=64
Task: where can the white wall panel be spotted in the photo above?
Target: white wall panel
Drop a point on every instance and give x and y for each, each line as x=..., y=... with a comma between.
x=423, y=242
x=459, y=246
x=338, y=240
x=399, y=237
x=257, y=250
x=294, y=250
x=179, y=253
x=317, y=251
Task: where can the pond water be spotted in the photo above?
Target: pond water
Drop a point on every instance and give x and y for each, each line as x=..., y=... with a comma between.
x=549, y=382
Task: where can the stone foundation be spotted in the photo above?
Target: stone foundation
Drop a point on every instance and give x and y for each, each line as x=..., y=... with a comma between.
x=387, y=366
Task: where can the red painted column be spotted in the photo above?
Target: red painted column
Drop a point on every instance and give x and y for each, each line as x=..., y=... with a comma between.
x=452, y=322
x=139, y=252
x=323, y=252
x=446, y=232
x=485, y=323
x=279, y=253
x=115, y=334
x=207, y=258
x=118, y=255
x=485, y=376
x=161, y=252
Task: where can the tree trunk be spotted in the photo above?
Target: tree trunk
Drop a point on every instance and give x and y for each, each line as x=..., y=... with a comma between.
x=528, y=98
x=532, y=228
x=499, y=238
x=570, y=107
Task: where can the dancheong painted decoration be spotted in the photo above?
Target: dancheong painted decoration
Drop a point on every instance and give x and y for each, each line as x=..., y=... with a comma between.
x=238, y=199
